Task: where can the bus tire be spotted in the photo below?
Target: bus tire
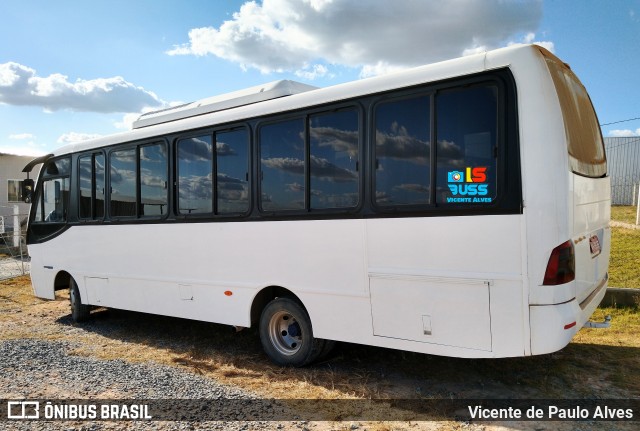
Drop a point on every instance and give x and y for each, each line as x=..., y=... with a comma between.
x=79, y=311
x=286, y=333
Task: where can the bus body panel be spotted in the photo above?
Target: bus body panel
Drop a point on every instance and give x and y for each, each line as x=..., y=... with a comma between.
x=431, y=279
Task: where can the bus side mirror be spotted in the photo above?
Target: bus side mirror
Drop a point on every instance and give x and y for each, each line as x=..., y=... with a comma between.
x=27, y=190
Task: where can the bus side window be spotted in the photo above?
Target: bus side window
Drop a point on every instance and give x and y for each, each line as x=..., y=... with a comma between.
x=232, y=167
x=466, y=144
x=403, y=152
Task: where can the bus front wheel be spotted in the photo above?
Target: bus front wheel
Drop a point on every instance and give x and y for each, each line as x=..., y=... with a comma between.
x=286, y=334
x=79, y=311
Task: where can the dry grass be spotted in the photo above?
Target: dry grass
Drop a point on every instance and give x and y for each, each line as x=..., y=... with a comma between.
x=597, y=364
x=352, y=371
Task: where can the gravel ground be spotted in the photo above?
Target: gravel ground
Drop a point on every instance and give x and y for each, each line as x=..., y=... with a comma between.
x=40, y=369
x=12, y=267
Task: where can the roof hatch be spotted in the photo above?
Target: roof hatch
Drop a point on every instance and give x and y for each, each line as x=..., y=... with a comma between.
x=259, y=93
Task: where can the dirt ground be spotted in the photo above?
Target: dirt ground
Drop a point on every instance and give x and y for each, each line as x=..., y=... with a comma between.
x=596, y=365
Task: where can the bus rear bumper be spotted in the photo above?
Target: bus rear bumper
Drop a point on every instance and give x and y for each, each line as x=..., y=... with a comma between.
x=553, y=326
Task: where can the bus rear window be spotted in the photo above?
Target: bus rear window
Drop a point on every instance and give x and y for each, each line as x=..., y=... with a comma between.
x=584, y=139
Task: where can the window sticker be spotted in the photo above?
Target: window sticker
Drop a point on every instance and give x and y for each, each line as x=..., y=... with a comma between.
x=468, y=185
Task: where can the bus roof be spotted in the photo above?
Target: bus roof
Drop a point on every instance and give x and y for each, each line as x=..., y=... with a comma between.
x=259, y=93
x=285, y=96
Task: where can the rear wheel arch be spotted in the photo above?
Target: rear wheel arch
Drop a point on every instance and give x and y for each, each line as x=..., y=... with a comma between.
x=265, y=296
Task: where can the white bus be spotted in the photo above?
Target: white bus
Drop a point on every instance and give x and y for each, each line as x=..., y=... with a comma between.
x=460, y=208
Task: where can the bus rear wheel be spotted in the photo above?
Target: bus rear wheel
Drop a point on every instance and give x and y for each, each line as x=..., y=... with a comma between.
x=286, y=334
x=79, y=311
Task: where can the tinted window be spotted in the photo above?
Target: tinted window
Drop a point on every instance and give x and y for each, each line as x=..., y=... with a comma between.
x=91, y=181
x=153, y=179
x=123, y=183
x=334, y=159
x=85, y=165
x=195, y=173
x=232, y=163
x=467, y=144
x=99, y=185
x=403, y=152
x=282, y=165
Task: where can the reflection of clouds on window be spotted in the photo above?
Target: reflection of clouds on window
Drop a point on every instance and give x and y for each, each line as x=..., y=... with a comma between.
x=195, y=187
x=338, y=140
x=450, y=153
x=402, y=146
x=119, y=175
x=286, y=164
x=153, y=179
x=195, y=177
x=147, y=179
x=223, y=149
x=382, y=197
x=232, y=189
x=333, y=162
x=127, y=156
x=195, y=150
x=323, y=169
x=153, y=153
x=403, y=151
x=295, y=187
x=320, y=168
x=416, y=188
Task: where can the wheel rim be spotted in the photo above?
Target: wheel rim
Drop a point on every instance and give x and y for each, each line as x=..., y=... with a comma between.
x=285, y=333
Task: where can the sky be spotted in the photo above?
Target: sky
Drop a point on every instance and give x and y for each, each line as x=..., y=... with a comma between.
x=72, y=70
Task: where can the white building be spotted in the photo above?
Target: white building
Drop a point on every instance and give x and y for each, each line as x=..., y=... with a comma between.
x=11, y=177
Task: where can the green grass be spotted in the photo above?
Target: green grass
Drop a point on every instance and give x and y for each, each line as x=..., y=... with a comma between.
x=625, y=214
x=624, y=270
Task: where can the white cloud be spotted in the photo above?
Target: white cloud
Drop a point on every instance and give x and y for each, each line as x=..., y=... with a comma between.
x=127, y=121
x=22, y=150
x=21, y=136
x=279, y=35
x=72, y=137
x=20, y=85
x=618, y=133
x=26, y=147
x=531, y=38
x=312, y=72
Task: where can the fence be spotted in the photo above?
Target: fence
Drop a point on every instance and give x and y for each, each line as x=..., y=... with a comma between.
x=623, y=160
x=14, y=256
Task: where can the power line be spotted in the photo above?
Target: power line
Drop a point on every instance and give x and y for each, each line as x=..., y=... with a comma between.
x=621, y=121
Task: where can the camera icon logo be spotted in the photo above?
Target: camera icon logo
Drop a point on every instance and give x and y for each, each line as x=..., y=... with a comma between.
x=455, y=177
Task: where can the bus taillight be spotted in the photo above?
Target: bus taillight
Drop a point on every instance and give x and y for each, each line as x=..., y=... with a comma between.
x=561, y=266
